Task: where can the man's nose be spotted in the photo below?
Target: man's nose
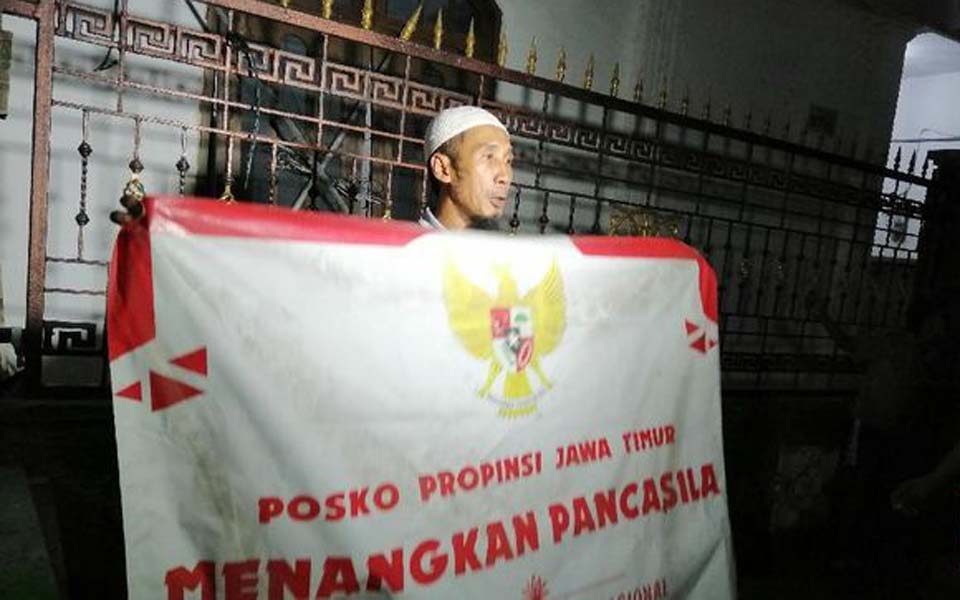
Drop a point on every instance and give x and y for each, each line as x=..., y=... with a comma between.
x=504, y=174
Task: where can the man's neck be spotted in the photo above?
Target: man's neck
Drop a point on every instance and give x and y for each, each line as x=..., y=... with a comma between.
x=450, y=216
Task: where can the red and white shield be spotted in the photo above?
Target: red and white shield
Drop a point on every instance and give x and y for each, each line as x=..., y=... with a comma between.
x=512, y=332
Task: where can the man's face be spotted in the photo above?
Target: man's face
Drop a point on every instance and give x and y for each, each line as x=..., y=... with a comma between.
x=481, y=172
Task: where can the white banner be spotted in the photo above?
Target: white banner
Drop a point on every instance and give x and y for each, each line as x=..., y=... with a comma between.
x=313, y=406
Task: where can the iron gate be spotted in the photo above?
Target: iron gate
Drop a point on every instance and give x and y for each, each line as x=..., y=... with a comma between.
x=298, y=109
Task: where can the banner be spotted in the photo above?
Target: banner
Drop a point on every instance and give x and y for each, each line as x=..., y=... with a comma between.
x=314, y=406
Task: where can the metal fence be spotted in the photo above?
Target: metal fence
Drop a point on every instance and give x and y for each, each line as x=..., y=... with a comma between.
x=325, y=115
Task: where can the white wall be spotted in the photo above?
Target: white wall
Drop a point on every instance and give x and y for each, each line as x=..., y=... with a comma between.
x=928, y=108
x=112, y=143
x=767, y=57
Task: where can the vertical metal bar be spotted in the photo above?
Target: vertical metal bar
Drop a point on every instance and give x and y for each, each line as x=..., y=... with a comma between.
x=708, y=243
x=870, y=231
x=805, y=319
x=758, y=307
x=833, y=260
x=544, y=218
x=353, y=178
x=782, y=258
x=366, y=173
x=85, y=151
x=538, y=174
x=403, y=135
x=273, y=173
x=423, y=189
x=225, y=115
x=797, y=273
x=515, y=219
x=321, y=109
x=657, y=151
x=744, y=191
x=704, y=146
x=122, y=52
x=573, y=208
x=40, y=178
x=852, y=246
x=598, y=205
x=891, y=268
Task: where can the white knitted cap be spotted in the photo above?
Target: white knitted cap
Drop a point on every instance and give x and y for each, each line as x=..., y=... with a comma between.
x=451, y=122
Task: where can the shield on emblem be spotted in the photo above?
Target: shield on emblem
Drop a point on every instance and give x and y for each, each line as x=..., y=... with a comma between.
x=512, y=332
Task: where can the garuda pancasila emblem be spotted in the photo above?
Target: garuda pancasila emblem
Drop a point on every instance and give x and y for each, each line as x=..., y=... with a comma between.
x=509, y=332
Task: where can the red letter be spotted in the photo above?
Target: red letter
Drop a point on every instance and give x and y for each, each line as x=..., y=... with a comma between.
x=603, y=451
x=269, y=508
x=240, y=580
x=464, y=552
x=708, y=481
x=336, y=508
x=283, y=578
x=180, y=579
x=582, y=518
x=525, y=530
x=606, y=507
x=428, y=485
x=498, y=545
x=671, y=434
x=468, y=478
x=486, y=473
x=559, y=521
x=379, y=568
x=683, y=487
x=651, y=499
x=669, y=494
x=392, y=493
x=298, y=514
x=358, y=502
x=692, y=483
x=438, y=563
x=446, y=483
x=630, y=512
x=335, y=568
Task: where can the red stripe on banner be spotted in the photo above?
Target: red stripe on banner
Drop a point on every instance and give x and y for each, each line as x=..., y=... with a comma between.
x=217, y=218
x=636, y=247
x=130, y=317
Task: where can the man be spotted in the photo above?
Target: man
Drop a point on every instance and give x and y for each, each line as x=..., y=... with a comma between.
x=898, y=412
x=469, y=162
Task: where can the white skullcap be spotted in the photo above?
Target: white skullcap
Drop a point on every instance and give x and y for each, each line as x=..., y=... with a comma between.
x=451, y=122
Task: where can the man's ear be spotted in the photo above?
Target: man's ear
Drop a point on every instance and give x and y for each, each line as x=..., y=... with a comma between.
x=442, y=167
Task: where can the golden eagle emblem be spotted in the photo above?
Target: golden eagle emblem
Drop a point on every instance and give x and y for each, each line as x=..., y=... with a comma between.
x=510, y=332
